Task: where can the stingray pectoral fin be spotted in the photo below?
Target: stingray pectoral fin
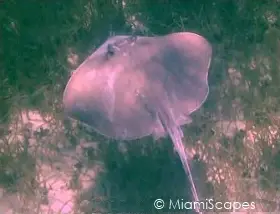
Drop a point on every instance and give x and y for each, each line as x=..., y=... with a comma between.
x=183, y=120
x=159, y=131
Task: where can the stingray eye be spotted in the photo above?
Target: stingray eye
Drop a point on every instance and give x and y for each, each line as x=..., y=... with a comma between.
x=124, y=133
x=133, y=38
x=111, y=50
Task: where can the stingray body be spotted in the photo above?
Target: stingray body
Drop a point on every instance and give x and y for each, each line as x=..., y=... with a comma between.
x=132, y=87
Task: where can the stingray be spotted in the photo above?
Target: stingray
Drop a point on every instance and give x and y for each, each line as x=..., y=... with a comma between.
x=136, y=86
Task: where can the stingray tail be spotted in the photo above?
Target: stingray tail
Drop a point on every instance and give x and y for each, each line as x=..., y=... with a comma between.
x=176, y=135
x=179, y=146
